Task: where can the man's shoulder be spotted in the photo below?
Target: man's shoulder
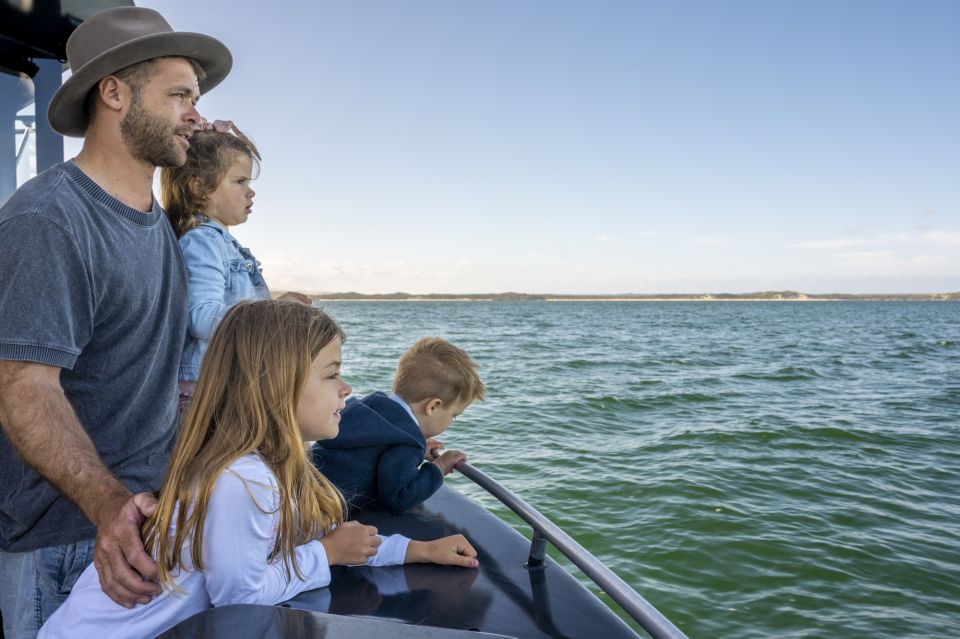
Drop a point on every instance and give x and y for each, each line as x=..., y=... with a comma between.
x=47, y=196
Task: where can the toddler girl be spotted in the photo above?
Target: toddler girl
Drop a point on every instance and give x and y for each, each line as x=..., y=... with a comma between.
x=243, y=516
x=204, y=198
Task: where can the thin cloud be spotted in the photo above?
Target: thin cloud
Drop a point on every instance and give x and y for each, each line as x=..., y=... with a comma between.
x=925, y=238
x=949, y=238
x=708, y=241
x=863, y=256
x=930, y=259
x=828, y=244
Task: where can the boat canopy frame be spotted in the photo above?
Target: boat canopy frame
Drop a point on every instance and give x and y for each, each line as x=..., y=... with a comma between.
x=544, y=531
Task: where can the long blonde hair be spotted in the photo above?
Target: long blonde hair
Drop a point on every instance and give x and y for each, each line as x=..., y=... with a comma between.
x=246, y=401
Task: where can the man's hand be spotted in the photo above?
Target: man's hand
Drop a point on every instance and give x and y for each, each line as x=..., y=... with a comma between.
x=127, y=573
x=454, y=550
x=448, y=460
x=296, y=297
x=350, y=544
x=220, y=126
x=40, y=424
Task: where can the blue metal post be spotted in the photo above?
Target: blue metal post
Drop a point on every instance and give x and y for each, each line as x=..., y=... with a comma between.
x=14, y=92
x=49, y=142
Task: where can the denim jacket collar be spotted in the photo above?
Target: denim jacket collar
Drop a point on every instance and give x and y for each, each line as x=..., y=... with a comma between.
x=209, y=222
x=244, y=252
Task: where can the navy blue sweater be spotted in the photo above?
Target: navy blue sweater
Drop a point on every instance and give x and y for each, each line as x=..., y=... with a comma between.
x=377, y=456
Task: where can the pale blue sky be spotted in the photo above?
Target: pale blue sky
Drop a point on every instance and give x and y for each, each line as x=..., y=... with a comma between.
x=596, y=146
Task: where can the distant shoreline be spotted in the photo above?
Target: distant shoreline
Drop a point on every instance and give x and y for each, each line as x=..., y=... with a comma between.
x=766, y=296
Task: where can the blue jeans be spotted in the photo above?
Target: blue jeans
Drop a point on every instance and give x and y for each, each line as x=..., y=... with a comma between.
x=33, y=584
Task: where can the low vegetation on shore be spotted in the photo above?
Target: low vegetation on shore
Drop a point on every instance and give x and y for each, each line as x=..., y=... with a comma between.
x=772, y=296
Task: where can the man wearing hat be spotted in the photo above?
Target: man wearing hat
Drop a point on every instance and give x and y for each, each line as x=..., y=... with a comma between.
x=93, y=317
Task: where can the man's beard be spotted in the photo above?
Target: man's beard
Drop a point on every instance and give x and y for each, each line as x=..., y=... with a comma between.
x=149, y=138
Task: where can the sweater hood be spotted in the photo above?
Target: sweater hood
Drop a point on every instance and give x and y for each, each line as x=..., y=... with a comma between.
x=386, y=424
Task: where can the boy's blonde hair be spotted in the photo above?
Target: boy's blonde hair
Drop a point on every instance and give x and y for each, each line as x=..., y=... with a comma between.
x=210, y=156
x=246, y=401
x=433, y=367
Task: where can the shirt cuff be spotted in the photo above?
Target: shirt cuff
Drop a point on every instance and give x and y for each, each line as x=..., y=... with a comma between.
x=38, y=354
x=392, y=551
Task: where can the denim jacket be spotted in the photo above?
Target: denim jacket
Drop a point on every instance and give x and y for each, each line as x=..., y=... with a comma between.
x=221, y=273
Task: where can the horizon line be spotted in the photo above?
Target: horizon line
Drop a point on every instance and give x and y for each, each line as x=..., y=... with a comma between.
x=786, y=295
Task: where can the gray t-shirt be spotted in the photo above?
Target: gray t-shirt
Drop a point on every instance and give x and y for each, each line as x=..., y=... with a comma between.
x=98, y=289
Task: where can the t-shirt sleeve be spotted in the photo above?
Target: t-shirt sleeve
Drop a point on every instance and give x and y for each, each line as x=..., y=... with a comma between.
x=46, y=301
x=237, y=539
x=207, y=281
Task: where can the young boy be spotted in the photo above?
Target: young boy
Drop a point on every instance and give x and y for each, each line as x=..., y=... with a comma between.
x=379, y=454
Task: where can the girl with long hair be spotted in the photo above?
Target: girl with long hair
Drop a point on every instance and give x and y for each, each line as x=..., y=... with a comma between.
x=242, y=514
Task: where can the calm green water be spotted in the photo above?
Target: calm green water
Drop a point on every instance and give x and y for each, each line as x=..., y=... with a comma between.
x=752, y=469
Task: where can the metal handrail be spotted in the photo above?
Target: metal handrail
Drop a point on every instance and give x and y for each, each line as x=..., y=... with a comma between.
x=544, y=530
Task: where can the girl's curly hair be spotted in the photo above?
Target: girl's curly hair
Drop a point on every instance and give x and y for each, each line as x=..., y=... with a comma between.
x=184, y=189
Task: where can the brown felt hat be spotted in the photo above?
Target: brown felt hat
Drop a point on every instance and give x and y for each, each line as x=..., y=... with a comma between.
x=116, y=38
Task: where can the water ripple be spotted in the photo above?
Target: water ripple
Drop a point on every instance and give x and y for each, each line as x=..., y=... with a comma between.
x=754, y=470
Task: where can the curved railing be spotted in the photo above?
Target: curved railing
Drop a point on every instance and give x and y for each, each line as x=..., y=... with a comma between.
x=545, y=531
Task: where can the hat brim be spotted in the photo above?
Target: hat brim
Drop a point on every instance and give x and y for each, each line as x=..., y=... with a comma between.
x=66, y=112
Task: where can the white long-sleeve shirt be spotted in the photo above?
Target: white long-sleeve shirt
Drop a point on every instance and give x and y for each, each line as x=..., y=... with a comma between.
x=237, y=539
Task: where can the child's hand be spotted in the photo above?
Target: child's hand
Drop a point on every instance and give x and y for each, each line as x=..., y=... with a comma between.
x=454, y=550
x=350, y=543
x=448, y=460
x=433, y=444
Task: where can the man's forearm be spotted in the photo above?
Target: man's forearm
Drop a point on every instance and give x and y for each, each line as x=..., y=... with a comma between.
x=43, y=428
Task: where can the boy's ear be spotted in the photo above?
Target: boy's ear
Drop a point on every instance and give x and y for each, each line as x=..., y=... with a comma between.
x=432, y=405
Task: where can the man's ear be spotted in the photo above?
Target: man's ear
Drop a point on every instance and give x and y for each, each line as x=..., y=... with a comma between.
x=432, y=405
x=113, y=93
